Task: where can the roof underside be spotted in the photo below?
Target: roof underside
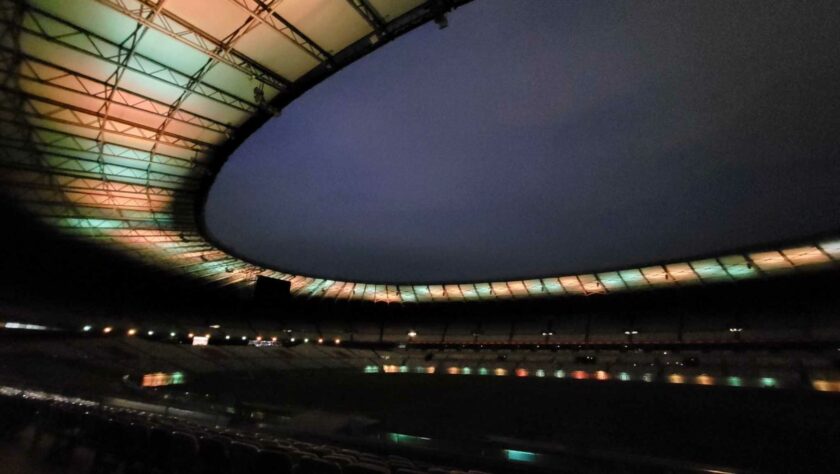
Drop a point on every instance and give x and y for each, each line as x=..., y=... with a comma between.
x=116, y=113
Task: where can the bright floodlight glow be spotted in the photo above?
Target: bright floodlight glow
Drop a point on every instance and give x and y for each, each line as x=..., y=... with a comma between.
x=107, y=329
x=412, y=333
x=87, y=328
x=151, y=333
x=132, y=332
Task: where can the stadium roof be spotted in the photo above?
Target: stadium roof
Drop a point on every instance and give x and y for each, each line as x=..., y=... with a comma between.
x=117, y=114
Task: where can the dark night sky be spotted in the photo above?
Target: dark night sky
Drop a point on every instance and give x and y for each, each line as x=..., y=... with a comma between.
x=549, y=137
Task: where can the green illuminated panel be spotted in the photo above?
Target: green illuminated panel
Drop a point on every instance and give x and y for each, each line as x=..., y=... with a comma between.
x=738, y=267
x=520, y=456
x=633, y=278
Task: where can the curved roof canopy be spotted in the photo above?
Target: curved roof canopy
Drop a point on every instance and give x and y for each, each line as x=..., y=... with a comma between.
x=116, y=113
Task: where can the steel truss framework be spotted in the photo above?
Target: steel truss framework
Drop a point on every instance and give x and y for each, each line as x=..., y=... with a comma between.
x=114, y=114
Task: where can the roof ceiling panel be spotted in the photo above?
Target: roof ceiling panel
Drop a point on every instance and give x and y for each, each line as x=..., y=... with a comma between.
x=277, y=52
x=390, y=9
x=121, y=165
x=330, y=24
x=90, y=16
x=219, y=18
x=170, y=52
x=236, y=83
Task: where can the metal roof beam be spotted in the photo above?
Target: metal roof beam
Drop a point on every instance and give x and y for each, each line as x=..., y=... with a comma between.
x=180, y=30
x=366, y=10
x=139, y=63
x=265, y=14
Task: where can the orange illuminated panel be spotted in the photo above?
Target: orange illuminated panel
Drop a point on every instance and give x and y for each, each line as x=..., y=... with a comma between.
x=430, y=369
x=826, y=385
x=158, y=379
x=500, y=289
x=346, y=291
x=801, y=256
x=453, y=292
x=333, y=290
x=500, y=372
x=521, y=372
x=572, y=285
x=601, y=375
x=518, y=289
x=770, y=261
x=453, y=370
x=579, y=375
x=438, y=292
x=657, y=275
x=676, y=378
x=390, y=369
x=591, y=284
x=704, y=379
x=682, y=273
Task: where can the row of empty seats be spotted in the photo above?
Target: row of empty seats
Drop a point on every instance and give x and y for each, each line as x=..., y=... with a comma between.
x=137, y=442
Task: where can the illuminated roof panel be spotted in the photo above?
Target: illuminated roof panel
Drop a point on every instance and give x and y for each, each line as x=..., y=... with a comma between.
x=114, y=111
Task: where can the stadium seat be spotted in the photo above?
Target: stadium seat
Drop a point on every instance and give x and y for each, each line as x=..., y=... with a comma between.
x=213, y=451
x=243, y=458
x=183, y=452
x=317, y=466
x=273, y=461
x=366, y=468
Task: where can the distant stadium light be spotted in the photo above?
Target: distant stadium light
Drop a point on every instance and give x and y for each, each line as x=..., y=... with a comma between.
x=215, y=326
x=107, y=329
x=151, y=333
x=412, y=333
x=87, y=328
x=305, y=340
x=227, y=337
x=244, y=338
x=321, y=341
x=171, y=334
x=190, y=335
x=337, y=341
x=274, y=339
x=292, y=339
x=132, y=332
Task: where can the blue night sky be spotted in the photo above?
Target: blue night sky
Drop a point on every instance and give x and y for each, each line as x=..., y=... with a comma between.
x=549, y=137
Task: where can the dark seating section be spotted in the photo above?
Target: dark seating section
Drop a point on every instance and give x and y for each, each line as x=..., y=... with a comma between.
x=137, y=442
